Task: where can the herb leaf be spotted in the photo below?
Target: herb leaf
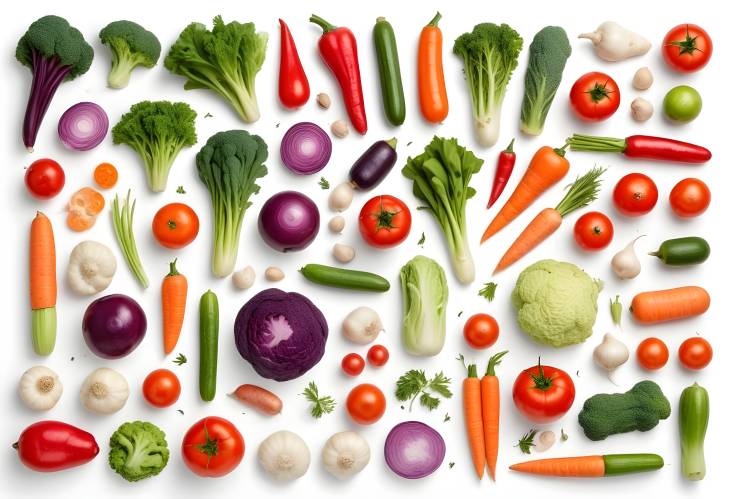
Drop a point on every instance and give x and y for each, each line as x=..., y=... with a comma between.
x=488, y=291
x=563, y=435
x=324, y=183
x=180, y=359
x=319, y=405
x=414, y=384
x=180, y=190
x=527, y=442
x=422, y=240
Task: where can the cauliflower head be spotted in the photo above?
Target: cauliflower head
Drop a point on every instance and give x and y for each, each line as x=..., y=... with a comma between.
x=556, y=303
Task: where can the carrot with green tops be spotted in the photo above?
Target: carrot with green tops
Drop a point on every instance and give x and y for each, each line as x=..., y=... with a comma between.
x=582, y=192
x=653, y=307
x=174, y=297
x=547, y=167
x=43, y=290
x=473, y=419
x=431, y=85
x=591, y=466
x=490, y=412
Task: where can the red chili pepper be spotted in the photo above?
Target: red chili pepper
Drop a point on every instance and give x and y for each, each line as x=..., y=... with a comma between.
x=339, y=51
x=54, y=446
x=644, y=147
x=293, y=83
x=505, y=164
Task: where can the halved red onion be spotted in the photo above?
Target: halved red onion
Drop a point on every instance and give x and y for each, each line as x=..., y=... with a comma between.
x=414, y=449
x=83, y=126
x=305, y=148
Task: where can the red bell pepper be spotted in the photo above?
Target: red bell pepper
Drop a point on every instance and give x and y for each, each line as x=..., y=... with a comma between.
x=54, y=446
x=338, y=48
x=505, y=165
x=293, y=83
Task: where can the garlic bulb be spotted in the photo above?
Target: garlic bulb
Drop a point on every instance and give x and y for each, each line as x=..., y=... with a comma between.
x=362, y=325
x=611, y=354
x=284, y=455
x=91, y=267
x=544, y=441
x=40, y=388
x=244, y=278
x=104, y=391
x=345, y=454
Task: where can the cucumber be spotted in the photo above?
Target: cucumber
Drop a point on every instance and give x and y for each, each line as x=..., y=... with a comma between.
x=621, y=464
x=683, y=251
x=694, y=413
x=391, y=85
x=208, y=345
x=344, y=278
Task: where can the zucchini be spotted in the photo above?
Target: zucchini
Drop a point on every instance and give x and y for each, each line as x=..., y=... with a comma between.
x=344, y=278
x=694, y=413
x=683, y=251
x=621, y=464
x=208, y=345
x=391, y=85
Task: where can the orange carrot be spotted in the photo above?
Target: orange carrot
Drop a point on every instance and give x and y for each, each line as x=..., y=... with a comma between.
x=83, y=207
x=106, y=175
x=584, y=466
x=174, y=296
x=546, y=168
x=431, y=86
x=581, y=193
x=652, y=307
x=43, y=290
x=490, y=412
x=473, y=419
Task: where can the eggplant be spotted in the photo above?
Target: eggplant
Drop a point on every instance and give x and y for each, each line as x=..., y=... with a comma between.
x=374, y=165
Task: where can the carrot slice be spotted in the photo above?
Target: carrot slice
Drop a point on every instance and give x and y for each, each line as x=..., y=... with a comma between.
x=83, y=208
x=106, y=175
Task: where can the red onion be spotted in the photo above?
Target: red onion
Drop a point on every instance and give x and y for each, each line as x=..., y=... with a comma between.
x=83, y=126
x=289, y=221
x=305, y=148
x=414, y=450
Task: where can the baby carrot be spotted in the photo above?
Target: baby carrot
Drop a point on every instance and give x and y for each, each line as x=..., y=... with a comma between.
x=174, y=296
x=43, y=290
x=473, y=419
x=490, y=412
x=431, y=86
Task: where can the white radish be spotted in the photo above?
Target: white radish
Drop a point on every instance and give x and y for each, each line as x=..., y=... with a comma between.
x=611, y=354
x=612, y=42
x=625, y=264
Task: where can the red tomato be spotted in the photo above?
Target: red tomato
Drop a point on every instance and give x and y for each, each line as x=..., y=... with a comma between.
x=687, y=48
x=161, y=388
x=652, y=354
x=378, y=355
x=593, y=231
x=543, y=394
x=353, y=364
x=595, y=96
x=635, y=195
x=212, y=447
x=366, y=404
x=695, y=353
x=481, y=331
x=385, y=221
x=175, y=225
x=690, y=198
x=44, y=178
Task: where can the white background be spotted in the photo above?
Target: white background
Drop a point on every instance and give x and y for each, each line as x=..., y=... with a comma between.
x=73, y=361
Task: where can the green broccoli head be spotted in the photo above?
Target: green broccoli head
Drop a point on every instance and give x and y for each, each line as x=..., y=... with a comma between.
x=131, y=46
x=138, y=450
x=157, y=131
x=229, y=165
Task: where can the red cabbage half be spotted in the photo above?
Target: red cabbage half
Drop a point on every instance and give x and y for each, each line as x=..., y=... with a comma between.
x=282, y=335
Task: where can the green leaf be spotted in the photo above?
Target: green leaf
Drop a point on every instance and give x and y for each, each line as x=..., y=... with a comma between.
x=429, y=402
x=180, y=359
x=527, y=442
x=319, y=405
x=488, y=291
x=324, y=183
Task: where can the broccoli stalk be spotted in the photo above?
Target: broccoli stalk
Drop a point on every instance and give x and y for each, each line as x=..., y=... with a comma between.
x=131, y=45
x=138, y=450
x=229, y=164
x=55, y=52
x=490, y=55
x=157, y=131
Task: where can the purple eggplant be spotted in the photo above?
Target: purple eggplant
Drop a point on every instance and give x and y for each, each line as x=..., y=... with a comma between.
x=374, y=165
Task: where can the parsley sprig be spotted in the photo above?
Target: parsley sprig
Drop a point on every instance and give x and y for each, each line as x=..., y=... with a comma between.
x=415, y=385
x=319, y=405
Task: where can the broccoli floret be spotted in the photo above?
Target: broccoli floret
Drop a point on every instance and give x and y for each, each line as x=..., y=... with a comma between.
x=131, y=46
x=490, y=54
x=138, y=450
x=549, y=51
x=225, y=60
x=229, y=164
x=157, y=131
x=55, y=52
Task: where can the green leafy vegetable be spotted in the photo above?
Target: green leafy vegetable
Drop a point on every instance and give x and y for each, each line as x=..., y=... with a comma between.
x=549, y=51
x=425, y=295
x=229, y=165
x=131, y=45
x=414, y=385
x=180, y=359
x=319, y=405
x=138, y=450
x=490, y=54
x=488, y=290
x=441, y=176
x=123, y=219
x=527, y=442
x=324, y=183
x=422, y=240
x=224, y=60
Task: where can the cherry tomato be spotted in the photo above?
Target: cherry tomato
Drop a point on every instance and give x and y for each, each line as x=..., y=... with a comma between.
x=175, y=225
x=690, y=198
x=695, y=353
x=481, y=331
x=378, y=355
x=635, y=195
x=161, y=388
x=44, y=178
x=595, y=96
x=366, y=404
x=385, y=221
x=687, y=48
x=652, y=354
x=543, y=394
x=593, y=231
x=353, y=364
x=213, y=447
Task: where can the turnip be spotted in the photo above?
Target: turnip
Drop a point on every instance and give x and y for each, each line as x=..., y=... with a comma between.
x=612, y=42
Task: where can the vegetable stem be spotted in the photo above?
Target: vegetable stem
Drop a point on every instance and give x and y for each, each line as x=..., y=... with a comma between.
x=582, y=192
x=123, y=219
x=326, y=27
x=435, y=21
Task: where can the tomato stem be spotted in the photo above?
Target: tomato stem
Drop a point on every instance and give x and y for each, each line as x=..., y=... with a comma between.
x=541, y=381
